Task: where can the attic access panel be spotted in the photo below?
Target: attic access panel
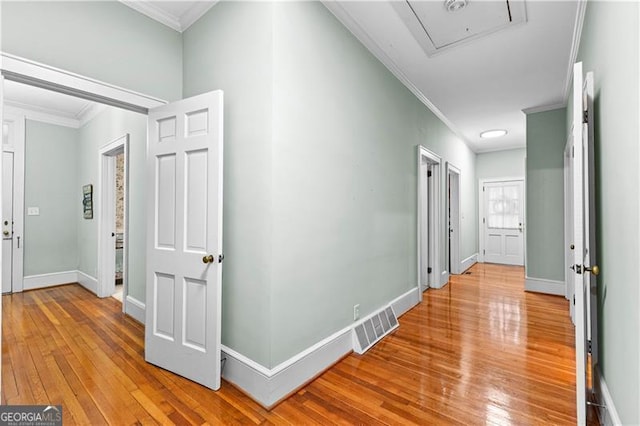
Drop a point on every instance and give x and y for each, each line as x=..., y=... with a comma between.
x=436, y=29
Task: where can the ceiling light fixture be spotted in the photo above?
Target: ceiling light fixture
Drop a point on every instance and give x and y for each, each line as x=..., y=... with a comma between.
x=493, y=133
x=455, y=5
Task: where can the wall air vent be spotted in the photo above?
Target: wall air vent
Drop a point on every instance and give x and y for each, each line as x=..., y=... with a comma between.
x=436, y=29
x=372, y=329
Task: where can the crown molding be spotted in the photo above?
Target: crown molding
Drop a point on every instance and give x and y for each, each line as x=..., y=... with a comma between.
x=544, y=108
x=89, y=113
x=40, y=114
x=367, y=41
x=575, y=47
x=151, y=9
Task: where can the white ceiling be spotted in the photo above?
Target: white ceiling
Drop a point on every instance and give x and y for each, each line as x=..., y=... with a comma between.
x=483, y=82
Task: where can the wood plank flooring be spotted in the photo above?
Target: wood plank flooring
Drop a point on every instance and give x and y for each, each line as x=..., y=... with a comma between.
x=479, y=351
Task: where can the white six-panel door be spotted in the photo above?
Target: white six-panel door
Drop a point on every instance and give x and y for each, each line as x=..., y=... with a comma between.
x=503, y=222
x=184, y=238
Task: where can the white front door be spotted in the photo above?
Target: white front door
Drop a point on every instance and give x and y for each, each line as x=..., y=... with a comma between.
x=584, y=252
x=184, y=238
x=503, y=222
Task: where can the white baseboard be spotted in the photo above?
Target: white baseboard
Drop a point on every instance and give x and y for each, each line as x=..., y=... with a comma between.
x=609, y=415
x=88, y=282
x=270, y=386
x=134, y=308
x=468, y=262
x=540, y=285
x=32, y=282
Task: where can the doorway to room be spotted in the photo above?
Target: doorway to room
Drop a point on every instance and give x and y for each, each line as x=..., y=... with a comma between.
x=453, y=219
x=429, y=274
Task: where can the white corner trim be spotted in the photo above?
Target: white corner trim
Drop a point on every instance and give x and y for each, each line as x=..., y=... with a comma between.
x=575, y=46
x=444, y=279
x=540, y=285
x=42, y=115
x=177, y=23
x=32, y=282
x=88, y=282
x=270, y=386
x=609, y=414
x=370, y=44
x=90, y=113
x=134, y=308
x=544, y=108
x=468, y=262
x=24, y=70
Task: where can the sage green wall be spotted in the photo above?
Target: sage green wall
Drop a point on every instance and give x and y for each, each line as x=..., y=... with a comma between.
x=230, y=48
x=609, y=47
x=546, y=139
x=499, y=164
x=320, y=173
x=51, y=154
x=106, y=127
x=344, y=179
x=105, y=40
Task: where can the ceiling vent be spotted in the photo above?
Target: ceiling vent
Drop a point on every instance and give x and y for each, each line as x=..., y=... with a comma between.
x=371, y=330
x=436, y=29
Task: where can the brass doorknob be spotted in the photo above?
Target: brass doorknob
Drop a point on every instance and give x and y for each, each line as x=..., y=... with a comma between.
x=207, y=259
x=595, y=270
x=6, y=232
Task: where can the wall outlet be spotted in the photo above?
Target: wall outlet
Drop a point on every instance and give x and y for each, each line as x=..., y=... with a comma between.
x=356, y=312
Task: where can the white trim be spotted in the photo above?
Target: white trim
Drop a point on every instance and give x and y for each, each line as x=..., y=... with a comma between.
x=32, y=282
x=434, y=206
x=575, y=46
x=406, y=301
x=444, y=278
x=23, y=70
x=545, y=108
x=177, y=23
x=88, y=282
x=454, y=250
x=468, y=262
x=90, y=113
x=134, y=308
x=608, y=414
x=541, y=285
x=269, y=386
x=42, y=115
x=370, y=44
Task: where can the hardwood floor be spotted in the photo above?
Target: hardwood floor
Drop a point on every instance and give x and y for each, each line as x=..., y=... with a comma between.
x=479, y=351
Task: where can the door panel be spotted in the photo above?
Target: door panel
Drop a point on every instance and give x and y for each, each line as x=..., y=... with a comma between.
x=7, y=222
x=504, y=217
x=185, y=238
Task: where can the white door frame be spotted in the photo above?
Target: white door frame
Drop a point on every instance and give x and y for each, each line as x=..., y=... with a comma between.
x=453, y=218
x=106, y=191
x=481, y=213
x=18, y=197
x=429, y=211
x=568, y=225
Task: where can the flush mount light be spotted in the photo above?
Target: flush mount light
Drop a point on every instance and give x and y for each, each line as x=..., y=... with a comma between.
x=493, y=133
x=454, y=5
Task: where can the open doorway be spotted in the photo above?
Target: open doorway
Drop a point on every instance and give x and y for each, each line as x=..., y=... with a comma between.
x=453, y=219
x=113, y=226
x=429, y=274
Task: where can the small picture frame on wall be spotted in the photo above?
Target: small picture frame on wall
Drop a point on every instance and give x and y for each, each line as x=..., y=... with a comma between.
x=87, y=201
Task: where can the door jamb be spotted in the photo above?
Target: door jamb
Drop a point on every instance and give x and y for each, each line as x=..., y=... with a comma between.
x=434, y=207
x=481, y=213
x=18, y=198
x=107, y=217
x=454, y=250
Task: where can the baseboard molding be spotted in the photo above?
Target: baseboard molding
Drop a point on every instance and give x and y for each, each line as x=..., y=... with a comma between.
x=270, y=386
x=87, y=281
x=609, y=415
x=540, y=285
x=468, y=262
x=134, y=308
x=32, y=282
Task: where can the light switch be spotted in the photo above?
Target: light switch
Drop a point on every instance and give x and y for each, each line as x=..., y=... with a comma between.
x=33, y=211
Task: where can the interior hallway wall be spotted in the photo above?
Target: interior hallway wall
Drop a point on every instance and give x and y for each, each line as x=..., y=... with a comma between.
x=499, y=164
x=50, y=238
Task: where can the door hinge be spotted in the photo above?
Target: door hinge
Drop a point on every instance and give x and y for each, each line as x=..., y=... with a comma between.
x=483, y=220
x=585, y=116
x=574, y=299
x=429, y=270
x=483, y=189
x=589, y=347
x=484, y=252
x=429, y=173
